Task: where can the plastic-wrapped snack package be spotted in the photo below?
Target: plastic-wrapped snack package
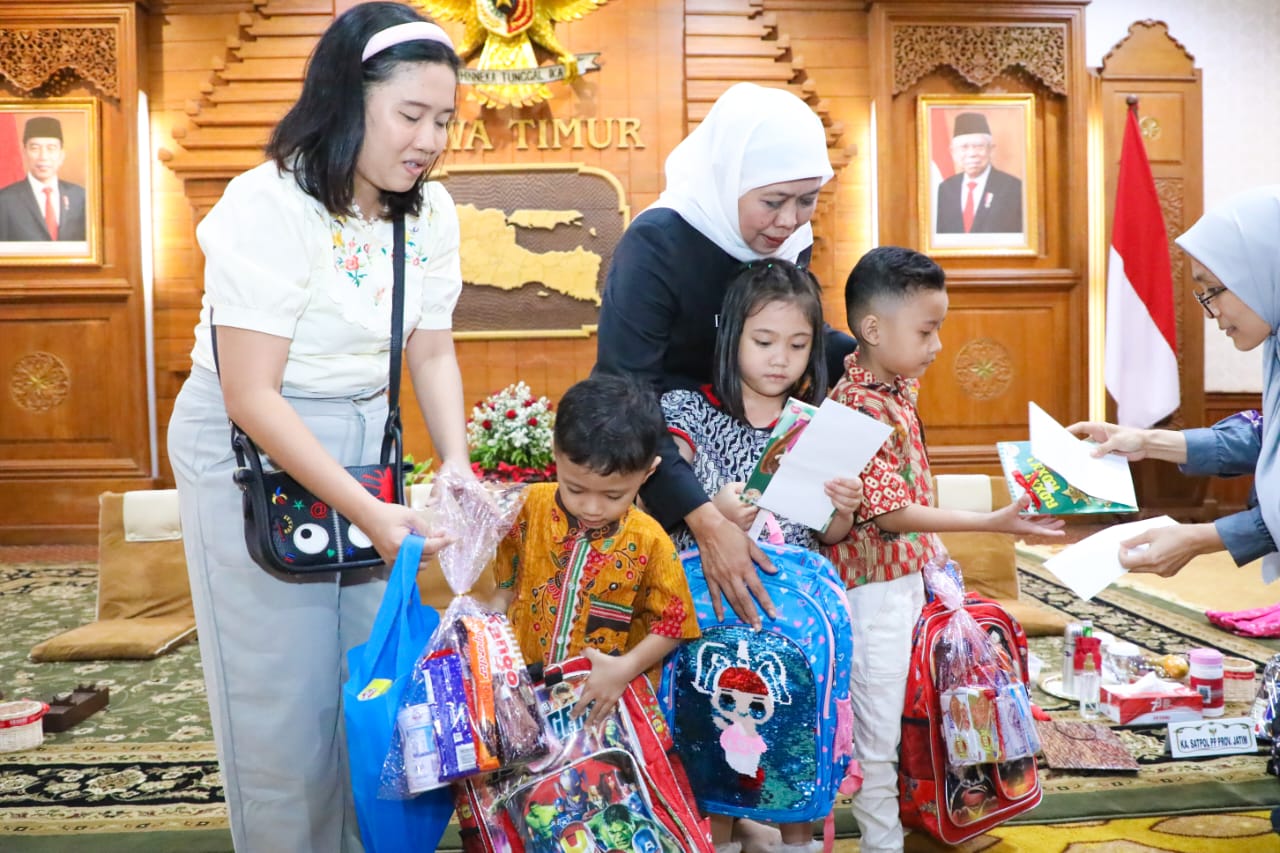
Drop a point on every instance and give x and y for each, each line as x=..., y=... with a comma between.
x=510, y=725
x=969, y=725
x=1018, y=735
x=986, y=713
x=470, y=707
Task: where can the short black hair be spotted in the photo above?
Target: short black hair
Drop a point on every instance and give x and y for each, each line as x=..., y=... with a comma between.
x=756, y=285
x=888, y=271
x=610, y=425
x=320, y=137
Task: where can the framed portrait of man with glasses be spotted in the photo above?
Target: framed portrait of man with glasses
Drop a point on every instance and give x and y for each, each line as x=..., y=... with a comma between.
x=976, y=175
x=50, y=199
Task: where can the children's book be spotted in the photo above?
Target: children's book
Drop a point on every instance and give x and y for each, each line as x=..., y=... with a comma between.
x=819, y=442
x=1050, y=493
x=794, y=418
x=1060, y=473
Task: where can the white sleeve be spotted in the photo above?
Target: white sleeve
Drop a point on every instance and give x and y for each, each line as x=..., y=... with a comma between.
x=257, y=266
x=442, y=279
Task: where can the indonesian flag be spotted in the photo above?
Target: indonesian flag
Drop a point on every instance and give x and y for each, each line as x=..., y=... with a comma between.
x=1142, y=346
x=941, y=166
x=11, y=168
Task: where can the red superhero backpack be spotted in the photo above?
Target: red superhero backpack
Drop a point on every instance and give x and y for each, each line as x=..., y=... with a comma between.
x=956, y=804
x=623, y=781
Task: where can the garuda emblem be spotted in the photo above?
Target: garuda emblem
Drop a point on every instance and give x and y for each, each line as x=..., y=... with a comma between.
x=505, y=32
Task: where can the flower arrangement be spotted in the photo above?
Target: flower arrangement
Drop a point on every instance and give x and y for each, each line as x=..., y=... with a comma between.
x=510, y=435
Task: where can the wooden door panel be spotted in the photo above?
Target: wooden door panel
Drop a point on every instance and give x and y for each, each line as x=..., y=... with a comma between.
x=994, y=359
x=65, y=409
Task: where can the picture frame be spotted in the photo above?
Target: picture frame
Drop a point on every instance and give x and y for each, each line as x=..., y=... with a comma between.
x=977, y=196
x=56, y=144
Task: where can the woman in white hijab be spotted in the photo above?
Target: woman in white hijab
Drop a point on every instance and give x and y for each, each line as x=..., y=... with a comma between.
x=741, y=187
x=1235, y=261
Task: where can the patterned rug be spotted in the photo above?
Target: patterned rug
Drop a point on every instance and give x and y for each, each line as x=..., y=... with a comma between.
x=147, y=763
x=1163, y=785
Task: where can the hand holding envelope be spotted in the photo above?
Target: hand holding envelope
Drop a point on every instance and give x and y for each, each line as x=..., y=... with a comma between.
x=1105, y=477
x=1061, y=474
x=1092, y=564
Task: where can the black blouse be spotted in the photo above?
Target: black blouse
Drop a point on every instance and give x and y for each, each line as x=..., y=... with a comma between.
x=658, y=318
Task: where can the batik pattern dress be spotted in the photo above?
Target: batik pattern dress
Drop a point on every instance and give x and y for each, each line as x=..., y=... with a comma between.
x=725, y=450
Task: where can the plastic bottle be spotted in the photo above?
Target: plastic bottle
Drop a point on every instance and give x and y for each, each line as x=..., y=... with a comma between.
x=1087, y=689
x=1206, y=677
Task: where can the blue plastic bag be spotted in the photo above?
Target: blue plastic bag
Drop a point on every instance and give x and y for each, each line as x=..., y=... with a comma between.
x=380, y=669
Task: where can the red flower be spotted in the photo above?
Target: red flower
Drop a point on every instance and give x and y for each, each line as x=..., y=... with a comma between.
x=529, y=402
x=533, y=421
x=511, y=414
x=486, y=424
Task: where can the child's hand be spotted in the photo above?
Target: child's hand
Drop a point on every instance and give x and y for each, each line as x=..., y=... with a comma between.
x=609, y=677
x=845, y=494
x=729, y=501
x=1007, y=520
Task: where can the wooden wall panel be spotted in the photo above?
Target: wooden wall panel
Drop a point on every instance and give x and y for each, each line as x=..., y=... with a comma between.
x=92, y=431
x=830, y=38
x=976, y=392
x=184, y=44
x=1035, y=308
x=73, y=420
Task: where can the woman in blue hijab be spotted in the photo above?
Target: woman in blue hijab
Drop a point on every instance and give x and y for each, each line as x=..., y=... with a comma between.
x=1235, y=261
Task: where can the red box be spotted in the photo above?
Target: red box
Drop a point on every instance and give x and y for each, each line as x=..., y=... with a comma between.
x=1181, y=704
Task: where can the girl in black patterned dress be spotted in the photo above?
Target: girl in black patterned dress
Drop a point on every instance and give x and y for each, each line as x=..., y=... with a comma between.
x=769, y=348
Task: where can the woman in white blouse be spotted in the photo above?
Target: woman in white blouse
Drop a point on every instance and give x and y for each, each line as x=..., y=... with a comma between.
x=298, y=275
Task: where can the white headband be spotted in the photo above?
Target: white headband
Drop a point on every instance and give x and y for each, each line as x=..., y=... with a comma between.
x=412, y=31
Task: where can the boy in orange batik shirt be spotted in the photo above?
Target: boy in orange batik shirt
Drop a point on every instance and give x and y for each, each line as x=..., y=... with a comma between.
x=584, y=571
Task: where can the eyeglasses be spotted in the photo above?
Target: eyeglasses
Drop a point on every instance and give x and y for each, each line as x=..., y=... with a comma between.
x=1206, y=297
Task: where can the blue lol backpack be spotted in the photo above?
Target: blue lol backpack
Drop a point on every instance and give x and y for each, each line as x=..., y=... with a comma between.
x=762, y=719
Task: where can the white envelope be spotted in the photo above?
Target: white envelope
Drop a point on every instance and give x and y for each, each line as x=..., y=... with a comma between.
x=1091, y=565
x=838, y=442
x=1071, y=458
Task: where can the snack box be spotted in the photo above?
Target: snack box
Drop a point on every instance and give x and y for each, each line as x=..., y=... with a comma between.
x=1174, y=703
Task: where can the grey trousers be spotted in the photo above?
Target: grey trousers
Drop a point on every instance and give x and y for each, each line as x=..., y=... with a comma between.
x=273, y=647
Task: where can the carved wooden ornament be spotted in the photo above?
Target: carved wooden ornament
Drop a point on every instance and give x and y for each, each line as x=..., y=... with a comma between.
x=979, y=53
x=29, y=58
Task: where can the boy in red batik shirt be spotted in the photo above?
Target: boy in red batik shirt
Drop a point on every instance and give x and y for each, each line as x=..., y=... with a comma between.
x=896, y=300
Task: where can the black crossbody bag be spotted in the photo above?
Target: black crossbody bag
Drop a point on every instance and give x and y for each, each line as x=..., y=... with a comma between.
x=286, y=527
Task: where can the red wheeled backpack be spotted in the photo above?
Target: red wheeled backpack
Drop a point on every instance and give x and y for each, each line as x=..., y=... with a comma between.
x=954, y=804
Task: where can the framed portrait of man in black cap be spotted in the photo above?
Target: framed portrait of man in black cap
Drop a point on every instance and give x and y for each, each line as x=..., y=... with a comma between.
x=49, y=182
x=976, y=176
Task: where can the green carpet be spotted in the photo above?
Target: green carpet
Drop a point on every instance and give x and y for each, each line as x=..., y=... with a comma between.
x=146, y=764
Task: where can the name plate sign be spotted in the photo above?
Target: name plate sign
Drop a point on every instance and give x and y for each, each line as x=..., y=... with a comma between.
x=1203, y=738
